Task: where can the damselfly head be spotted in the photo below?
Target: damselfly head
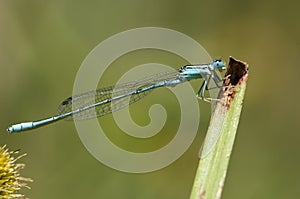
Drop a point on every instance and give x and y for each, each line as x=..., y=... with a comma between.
x=219, y=64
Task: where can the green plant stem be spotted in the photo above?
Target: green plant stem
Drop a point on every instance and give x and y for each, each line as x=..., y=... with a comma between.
x=213, y=163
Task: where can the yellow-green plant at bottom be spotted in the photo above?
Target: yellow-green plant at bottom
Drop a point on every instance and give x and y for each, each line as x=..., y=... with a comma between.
x=10, y=180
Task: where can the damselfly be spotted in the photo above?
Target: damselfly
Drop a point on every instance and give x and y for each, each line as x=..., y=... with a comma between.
x=107, y=100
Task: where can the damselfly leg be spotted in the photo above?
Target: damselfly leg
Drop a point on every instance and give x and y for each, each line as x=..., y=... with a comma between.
x=204, y=87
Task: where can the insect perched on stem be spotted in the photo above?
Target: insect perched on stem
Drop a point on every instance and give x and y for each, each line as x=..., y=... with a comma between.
x=99, y=102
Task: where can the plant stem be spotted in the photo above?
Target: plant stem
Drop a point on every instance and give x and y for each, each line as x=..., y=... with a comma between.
x=215, y=155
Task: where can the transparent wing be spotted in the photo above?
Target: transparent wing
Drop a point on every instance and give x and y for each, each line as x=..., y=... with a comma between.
x=100, y=95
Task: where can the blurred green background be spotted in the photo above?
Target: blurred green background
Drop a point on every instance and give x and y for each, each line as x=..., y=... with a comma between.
x=42, y=44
